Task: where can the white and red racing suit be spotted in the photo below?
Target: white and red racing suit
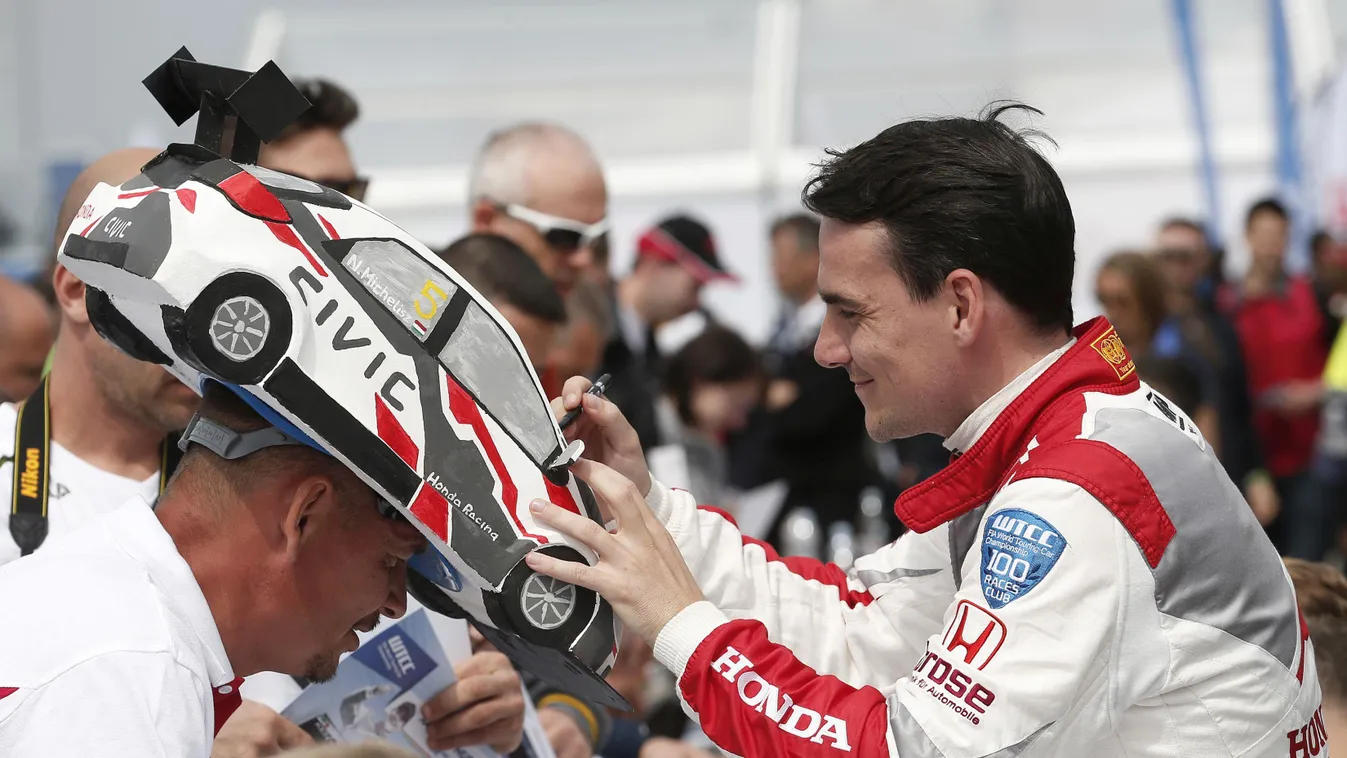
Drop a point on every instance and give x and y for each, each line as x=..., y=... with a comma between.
x=1083, y=580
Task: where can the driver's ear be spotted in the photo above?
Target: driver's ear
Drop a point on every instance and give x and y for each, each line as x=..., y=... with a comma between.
x=312, y=503
x=968, y=308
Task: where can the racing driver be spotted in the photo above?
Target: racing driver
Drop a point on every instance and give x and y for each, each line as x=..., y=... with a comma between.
x=1082, y=580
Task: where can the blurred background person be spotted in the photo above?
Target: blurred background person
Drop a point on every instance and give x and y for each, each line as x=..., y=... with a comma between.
x=710, y=386
x=1130, y=287
x=675, y=258
x=27, y=330
x=541, y=185
x=1197, y=331
x=509, y=279
x=1328, y=272
x=1280, y=328
x=810, y=431
x=1321, y=593
x=314, y=146
x=579, y=346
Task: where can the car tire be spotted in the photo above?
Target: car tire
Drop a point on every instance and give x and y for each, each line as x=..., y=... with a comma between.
x=543, y=610
x=237, y=330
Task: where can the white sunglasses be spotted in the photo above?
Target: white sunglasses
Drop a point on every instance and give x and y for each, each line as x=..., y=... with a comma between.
x=560, y=233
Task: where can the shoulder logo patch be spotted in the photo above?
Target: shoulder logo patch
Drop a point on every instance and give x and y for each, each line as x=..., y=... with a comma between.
x=1019, y=548
x=1110, y=347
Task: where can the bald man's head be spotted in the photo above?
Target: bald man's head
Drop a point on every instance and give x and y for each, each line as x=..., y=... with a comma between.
x=142, y=390
x=114, y=168
x=545, y=168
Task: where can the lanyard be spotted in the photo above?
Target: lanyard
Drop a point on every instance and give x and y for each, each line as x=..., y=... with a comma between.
x=32, y=454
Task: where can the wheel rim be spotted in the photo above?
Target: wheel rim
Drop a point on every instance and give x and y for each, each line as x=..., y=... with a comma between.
x=239, y=328
x=547, y=602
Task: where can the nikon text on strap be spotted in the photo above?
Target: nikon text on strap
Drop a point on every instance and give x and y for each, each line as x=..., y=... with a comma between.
x=32, y=459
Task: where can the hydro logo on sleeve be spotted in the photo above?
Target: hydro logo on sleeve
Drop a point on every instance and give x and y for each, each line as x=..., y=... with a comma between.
x=1019, y=548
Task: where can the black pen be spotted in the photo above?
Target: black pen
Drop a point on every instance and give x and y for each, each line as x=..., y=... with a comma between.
x=597, y=389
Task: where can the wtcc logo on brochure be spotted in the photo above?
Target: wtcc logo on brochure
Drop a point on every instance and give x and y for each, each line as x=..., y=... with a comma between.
x=1019, y=548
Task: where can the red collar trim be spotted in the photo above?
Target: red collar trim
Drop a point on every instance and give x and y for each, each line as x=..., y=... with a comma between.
x=227, y=700
x=1098, y=361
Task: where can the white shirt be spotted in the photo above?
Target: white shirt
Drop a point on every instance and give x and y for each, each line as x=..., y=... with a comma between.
x=116, y=654
x=79, y=491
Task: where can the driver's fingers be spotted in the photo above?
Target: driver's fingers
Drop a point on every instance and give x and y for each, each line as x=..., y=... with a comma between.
x=624, y=501
x=572, y=391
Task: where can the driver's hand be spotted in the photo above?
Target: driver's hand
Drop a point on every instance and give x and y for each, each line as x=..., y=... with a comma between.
x=609, y=438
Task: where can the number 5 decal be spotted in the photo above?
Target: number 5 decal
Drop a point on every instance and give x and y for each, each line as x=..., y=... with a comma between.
x=430, y=291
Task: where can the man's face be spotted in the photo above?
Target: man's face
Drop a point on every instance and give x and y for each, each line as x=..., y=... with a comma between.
x=900, y=353
x=1118, y=298
x=722, y=408
x=1183, y=256
x=144, y=391
x=563, y=185
x=350, y=570
x=579, y=351
x=673, y=292
x=537, y=334
x=795, y=269
x=320, y=155
x=1267, y=241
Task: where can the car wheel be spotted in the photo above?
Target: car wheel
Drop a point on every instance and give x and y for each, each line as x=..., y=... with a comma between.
x=544, y=610
x=237, y=329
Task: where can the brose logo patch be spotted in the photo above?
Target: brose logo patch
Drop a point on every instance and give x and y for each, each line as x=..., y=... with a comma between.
x=1019, y=548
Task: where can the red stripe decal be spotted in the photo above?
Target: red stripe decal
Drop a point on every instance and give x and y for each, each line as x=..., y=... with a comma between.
x=188, y=199
x=254, y=198
x=432, y=509
x=287, y=235
x=85, y=233
x=562, y=496
x=141, y=193
x=465, y=411
x=330, y=231
x=393, y=435
x=7, y=691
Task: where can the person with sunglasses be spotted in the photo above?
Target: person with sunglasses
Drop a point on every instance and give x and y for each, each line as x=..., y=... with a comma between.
x=540, y=185
x=314, y=146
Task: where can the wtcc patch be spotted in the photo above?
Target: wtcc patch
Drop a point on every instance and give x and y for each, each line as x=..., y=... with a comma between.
x=1019, y=548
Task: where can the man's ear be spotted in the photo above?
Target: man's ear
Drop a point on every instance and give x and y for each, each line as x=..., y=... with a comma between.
x=69, y=292
x=968, y=306
x=483, y=215
x=313, y=504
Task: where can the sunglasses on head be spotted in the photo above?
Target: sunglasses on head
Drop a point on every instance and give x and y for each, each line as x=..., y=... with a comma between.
x=560, y=233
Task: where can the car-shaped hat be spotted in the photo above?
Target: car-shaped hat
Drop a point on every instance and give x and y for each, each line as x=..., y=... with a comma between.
x=350, y=335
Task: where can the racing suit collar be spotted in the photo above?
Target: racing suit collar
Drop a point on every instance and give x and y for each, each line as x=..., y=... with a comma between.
x=977, y=423
x=1096, y=361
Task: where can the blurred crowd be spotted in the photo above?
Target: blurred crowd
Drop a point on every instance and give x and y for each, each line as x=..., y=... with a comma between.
x=1254, y=362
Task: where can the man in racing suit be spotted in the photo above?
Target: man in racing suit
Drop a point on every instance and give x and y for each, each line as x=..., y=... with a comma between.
x=1083, y=579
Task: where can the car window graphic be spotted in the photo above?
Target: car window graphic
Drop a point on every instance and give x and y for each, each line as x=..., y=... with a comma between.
x=406, y=285
x=482, y=358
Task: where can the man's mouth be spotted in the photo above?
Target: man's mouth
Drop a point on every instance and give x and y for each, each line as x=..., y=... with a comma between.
x=367, y=624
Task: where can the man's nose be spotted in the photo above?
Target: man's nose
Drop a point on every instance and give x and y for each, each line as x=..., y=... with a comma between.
x=396, y=603
x=829, y=349
x=582, y=257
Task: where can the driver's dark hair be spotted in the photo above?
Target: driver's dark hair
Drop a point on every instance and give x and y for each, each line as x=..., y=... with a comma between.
x=499, y=269
x=954, y=193
x=331, y=106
